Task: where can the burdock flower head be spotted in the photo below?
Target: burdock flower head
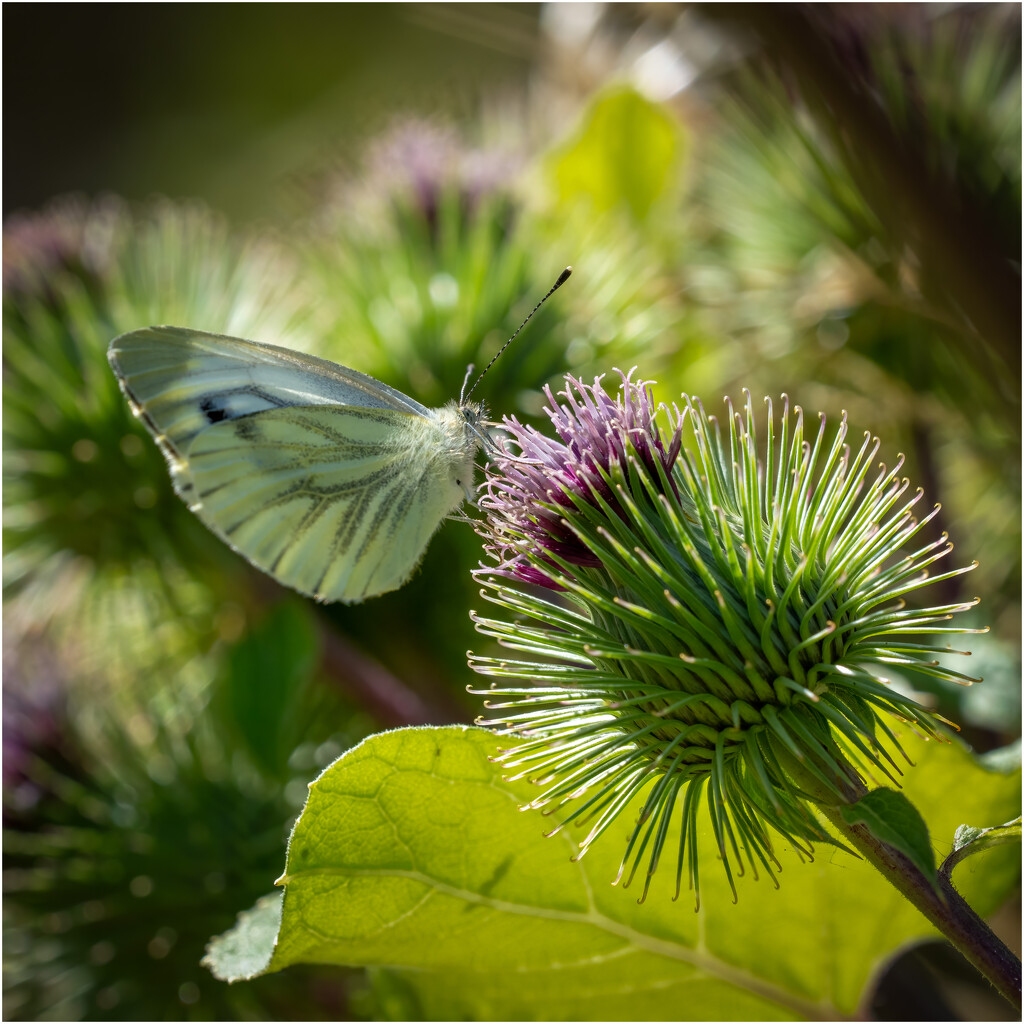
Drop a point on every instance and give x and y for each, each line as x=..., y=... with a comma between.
x=705, y=621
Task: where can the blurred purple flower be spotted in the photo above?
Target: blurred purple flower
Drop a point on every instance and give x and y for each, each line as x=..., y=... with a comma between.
x=70, y=236
x=418, y=165
x=33, y=720
x=424, y=159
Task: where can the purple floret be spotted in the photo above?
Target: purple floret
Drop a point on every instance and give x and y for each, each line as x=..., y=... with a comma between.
x=531, y=477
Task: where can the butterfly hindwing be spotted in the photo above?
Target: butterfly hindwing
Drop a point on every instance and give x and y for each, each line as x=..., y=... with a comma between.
x=337, y=502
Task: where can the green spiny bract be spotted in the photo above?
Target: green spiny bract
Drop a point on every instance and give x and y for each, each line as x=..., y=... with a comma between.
x=704, y=621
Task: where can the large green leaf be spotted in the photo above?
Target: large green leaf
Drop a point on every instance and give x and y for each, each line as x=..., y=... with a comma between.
x=412, y=854
x=626, y=153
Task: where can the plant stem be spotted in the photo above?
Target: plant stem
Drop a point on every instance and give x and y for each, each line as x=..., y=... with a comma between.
x=941, y=904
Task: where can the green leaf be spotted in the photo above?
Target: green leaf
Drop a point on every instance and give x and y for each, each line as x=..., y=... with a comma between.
x=1006, y=760
x=892, y=818
x=244, y=952
x=412, y=855
x=263, y=676
x=968, y=840
x=627, y=153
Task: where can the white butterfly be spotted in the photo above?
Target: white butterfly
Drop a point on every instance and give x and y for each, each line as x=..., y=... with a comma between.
x=328, y=480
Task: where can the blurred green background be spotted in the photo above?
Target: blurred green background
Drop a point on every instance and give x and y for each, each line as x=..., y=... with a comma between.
x=811, y=200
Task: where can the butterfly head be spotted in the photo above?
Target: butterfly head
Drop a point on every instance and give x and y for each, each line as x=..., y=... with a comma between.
x=475, y=420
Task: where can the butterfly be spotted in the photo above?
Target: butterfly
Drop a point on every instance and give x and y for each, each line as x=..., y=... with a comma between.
x=328, y=480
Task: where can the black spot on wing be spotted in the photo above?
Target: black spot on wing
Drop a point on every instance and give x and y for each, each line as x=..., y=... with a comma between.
x=214, y=408
x=236, y=403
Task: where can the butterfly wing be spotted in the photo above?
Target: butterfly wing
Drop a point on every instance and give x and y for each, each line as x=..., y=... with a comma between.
x=337, y=502
x=181, y=381
x=314, y=472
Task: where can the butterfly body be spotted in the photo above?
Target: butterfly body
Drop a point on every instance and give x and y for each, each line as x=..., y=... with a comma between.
x=328, y=480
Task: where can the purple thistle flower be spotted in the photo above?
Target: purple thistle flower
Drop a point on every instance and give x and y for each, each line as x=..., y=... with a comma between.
x=526, y=494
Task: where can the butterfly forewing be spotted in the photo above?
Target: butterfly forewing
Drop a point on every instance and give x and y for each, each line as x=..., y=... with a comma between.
x=325, y=478
x=185, y=380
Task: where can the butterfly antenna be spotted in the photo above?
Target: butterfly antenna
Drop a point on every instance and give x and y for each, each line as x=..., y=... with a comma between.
x=562, y=278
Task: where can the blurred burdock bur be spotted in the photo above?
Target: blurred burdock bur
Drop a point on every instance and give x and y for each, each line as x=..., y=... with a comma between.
x=861, y=206
x=128, y=750
x=416, y=164
x=94, y=539
x=423, y=261
x=69, y=237
x=136, y=823
x=429, y=256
